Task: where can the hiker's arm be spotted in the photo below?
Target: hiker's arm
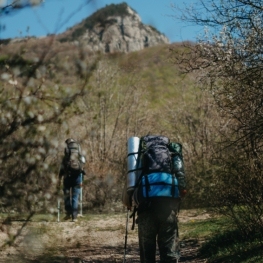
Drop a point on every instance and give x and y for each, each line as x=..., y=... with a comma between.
x=58, y=186
x=62, y=173
x=181, y=183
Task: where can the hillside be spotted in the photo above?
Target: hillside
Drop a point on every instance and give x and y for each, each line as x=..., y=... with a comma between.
x=152, y=66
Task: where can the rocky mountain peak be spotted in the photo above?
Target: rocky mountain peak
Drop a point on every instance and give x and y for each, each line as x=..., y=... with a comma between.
x=114, y=28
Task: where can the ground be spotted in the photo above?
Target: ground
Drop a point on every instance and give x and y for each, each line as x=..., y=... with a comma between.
x=93, y=239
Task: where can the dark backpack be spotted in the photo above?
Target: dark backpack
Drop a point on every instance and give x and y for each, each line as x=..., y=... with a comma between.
x=155, y=154
x=73, y=157
x=157, y=178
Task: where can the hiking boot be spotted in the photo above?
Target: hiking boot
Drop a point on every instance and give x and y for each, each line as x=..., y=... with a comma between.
x=67, y=217
x=75, y=220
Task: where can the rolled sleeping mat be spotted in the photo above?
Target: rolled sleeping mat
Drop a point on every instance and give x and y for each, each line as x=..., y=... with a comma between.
x=133, y=163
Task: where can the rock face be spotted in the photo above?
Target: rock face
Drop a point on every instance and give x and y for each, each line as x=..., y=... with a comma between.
x=120, y=32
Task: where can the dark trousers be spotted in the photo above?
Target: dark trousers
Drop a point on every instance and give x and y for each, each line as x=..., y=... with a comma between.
x=71, y=189
x=158, y=223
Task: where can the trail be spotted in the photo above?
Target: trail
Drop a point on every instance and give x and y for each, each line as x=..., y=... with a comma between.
x=91, y=240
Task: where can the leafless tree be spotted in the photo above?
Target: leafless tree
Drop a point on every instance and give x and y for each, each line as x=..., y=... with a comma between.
x=228, y=59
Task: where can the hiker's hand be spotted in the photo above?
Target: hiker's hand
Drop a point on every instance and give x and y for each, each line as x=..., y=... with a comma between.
x=183, y=193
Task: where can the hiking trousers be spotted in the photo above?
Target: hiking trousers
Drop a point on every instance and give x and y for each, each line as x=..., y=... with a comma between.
x=158, y=223
x=71, y=189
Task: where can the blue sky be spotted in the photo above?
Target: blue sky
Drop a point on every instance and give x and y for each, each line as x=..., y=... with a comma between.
x=55, y=16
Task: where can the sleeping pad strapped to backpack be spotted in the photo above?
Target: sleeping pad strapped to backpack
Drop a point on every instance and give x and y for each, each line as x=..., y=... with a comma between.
x=158, y=176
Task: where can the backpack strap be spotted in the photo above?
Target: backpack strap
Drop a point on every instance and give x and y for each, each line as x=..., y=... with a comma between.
x=137, y=165
x=133, y=217
x=173, y=186
x=147, y=186
x=69, y=151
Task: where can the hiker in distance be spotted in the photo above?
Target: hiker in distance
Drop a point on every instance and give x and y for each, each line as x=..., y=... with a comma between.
x=72, y=172
x=158, y=189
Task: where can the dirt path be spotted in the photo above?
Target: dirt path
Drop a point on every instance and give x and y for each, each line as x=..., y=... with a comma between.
x=100, y=239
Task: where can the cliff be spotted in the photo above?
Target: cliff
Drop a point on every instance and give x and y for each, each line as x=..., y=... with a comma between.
x=114, y=28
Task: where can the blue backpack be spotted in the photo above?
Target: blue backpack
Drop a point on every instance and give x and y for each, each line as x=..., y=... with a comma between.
x=161, y=162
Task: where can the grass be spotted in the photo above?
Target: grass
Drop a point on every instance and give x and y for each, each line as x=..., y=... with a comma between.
x=229, y=246
x=222, y=241
x=201, y=229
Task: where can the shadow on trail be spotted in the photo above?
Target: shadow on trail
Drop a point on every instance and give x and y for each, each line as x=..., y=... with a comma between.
x=106, y=254
x=190, y=251
x=81, y=254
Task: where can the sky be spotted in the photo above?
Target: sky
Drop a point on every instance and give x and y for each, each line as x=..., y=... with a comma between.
x=56, y=16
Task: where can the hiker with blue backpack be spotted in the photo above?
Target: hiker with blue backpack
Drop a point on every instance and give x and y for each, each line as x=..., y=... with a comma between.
x=155, y=187
x=72, y=172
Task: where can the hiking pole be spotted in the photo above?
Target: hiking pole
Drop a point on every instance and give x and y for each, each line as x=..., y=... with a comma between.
x=58, y=210
x=81, y=194
x=126, y=237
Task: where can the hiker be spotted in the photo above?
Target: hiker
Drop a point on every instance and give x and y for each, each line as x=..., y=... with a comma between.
x=158, y=192
x=72, y=172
